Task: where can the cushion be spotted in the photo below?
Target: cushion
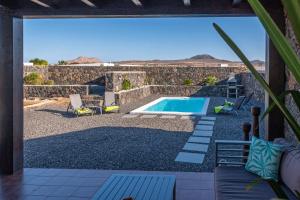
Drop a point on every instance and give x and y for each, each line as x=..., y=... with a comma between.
x=231, y=183
x=83, y=111
x=290, y=170
x=111, y=108
x=264, y=158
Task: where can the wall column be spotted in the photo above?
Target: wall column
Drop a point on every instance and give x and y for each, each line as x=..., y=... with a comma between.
x=275, y=76
x=11, y=93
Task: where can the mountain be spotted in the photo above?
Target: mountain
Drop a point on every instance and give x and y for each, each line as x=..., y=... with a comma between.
x=203, y=57
x=84, y=60
x=258, y=62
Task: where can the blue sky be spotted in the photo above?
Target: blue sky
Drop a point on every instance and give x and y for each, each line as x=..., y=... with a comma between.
x=140, y=38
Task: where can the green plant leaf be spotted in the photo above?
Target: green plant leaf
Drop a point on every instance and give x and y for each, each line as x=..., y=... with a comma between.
x=292, y=8
x=279, y=40
x=290, y=119
x=295, y=95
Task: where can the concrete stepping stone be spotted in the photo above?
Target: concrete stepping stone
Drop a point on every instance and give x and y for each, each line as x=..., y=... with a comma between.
x=196, y=158
x=203, y=140
x=201, y=122
x=168, y=117
x=195, y=147
x=204, y=127
x=129, y=116
x=202, y=133
x=148, y=116
x=209, y=118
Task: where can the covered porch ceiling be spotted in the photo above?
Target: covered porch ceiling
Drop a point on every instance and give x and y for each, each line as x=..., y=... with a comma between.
x=135, y=8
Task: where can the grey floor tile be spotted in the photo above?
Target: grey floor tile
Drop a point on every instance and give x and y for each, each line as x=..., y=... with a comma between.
x=195, y=147
x=202, y=122
x=202, y=133
x=190, y=157
x=202, y=140
x=204, y=127
x=209, y=118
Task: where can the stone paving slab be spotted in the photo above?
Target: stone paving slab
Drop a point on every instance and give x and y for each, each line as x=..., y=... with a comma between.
x=204, y=127
x=196, y=158
x=201, y=122
x=148, y=116
x=168, y=117
x=188, y=117
x=195, y=147
x=129, y=116
x=209, y=118
x=203, y=140
x=203, y=133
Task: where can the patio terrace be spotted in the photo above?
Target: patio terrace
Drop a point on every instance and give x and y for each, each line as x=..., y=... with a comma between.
x=81, y=184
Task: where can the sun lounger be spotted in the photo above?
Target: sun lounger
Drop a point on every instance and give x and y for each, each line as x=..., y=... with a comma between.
x=109, y=102
x=229, y=107
x=77, y=106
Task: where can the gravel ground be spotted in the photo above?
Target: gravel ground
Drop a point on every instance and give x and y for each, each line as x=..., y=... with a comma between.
x=54, y=139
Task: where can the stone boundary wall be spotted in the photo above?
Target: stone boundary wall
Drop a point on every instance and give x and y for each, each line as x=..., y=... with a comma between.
x=155, y=75
x=252, y=85
x=133, y=95
x=114, y=79
x=42, y=70
x=49, y=91
x=291, y=84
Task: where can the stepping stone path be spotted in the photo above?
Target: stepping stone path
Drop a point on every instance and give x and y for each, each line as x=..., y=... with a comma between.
x=190, y=157
x=148, y=116
x=200, y=140
x=129, y=116
x=197, y=145
x=168, y=117
x=204, y=127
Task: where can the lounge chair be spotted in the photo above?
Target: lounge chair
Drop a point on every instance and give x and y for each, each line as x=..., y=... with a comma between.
x=229, y=107
x=247, y=100
x=77, y=106
x=109, y=102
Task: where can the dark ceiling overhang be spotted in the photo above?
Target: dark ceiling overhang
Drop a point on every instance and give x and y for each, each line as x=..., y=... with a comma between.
x=131, y=8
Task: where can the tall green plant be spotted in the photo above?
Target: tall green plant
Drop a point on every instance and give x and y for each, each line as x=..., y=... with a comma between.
x=285, y=50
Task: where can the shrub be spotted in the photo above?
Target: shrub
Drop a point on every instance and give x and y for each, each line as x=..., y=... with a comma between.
x=211, y=80
x=62, y=62
x=33, y=79
x=48, y=82
x=188, y=82
x=126, y=84
x=39, y=62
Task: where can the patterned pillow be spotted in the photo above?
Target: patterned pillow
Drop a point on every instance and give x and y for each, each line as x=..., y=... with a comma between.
x=264, y=158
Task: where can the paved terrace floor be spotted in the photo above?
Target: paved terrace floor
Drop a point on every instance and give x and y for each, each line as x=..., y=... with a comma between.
x=55, y=139
x=75, y=184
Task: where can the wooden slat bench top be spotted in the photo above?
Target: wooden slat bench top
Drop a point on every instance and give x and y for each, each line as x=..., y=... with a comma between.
x=138, y=187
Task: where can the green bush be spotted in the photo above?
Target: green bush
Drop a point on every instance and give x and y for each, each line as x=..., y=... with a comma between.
x=48, y=82
x=62, y=62
x=36, y=79
x=211, y=80
x=188, y=82
x=126, y=85
x=39, y=62
x=33, y=79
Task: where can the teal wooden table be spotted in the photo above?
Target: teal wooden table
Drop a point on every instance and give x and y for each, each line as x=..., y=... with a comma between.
x=138, y=187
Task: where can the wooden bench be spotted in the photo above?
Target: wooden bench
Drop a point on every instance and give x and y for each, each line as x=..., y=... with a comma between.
x=137, y=187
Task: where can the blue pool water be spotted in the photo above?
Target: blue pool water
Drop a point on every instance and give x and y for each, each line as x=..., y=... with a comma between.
x=176, y=105
x=179, y=105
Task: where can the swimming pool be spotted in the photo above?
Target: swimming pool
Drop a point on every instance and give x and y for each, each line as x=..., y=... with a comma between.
x=176, y=106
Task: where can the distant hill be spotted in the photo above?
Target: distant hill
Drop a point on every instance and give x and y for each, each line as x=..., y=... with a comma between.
x=84, y=60
x=202, y=57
